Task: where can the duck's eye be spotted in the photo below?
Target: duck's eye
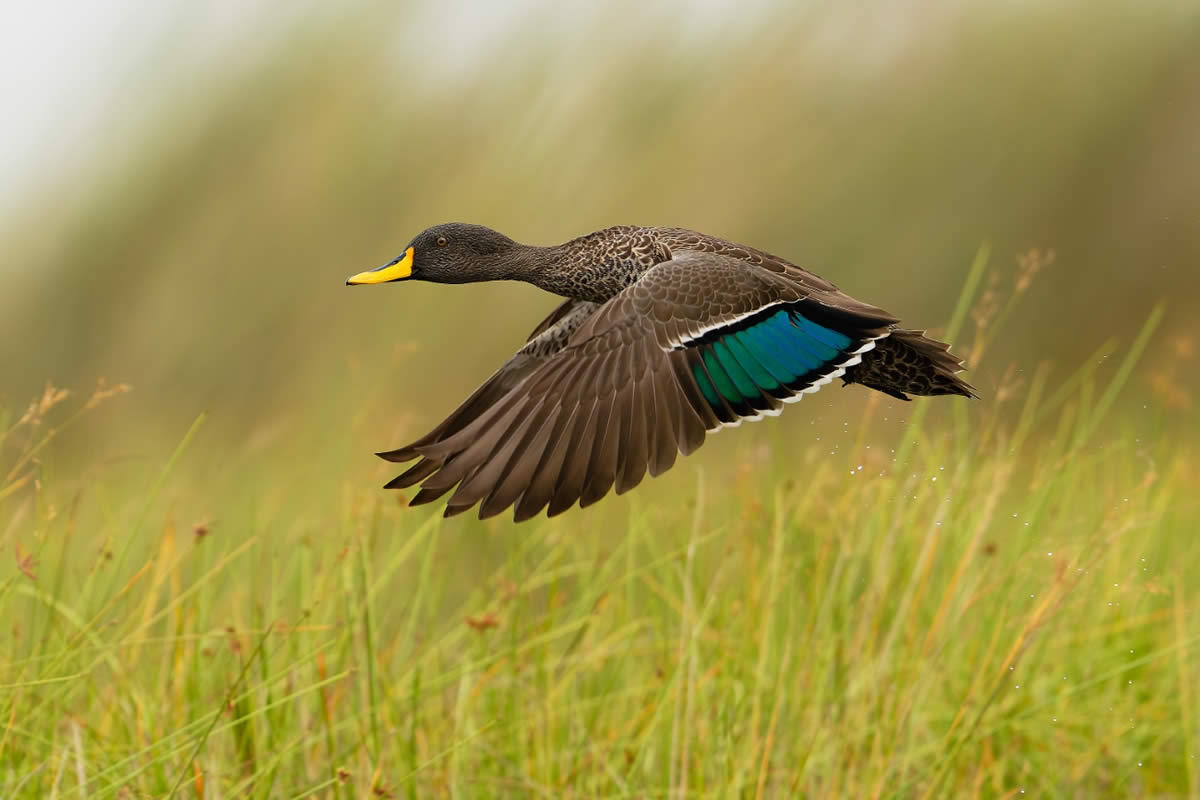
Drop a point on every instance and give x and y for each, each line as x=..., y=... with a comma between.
x=441, y=241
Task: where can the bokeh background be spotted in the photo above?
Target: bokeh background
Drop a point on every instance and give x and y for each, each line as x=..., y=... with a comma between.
x=948, y=597
x=186, y=187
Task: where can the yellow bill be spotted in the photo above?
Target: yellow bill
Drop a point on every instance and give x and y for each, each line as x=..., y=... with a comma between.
x=396, y=270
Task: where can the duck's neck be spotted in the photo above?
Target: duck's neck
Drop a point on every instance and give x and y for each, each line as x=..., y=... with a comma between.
x=523, y=262
x=544, y=267
x=579, y=269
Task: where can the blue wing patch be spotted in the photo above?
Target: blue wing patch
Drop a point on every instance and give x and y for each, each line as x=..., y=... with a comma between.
x=782, y=350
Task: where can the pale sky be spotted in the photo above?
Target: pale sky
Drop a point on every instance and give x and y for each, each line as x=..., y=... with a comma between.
x=60, y=63
x=74, y=73
x=68, y=68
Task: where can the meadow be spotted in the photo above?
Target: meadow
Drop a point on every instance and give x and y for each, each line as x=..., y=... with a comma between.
x=968, y=605
x=206, y=593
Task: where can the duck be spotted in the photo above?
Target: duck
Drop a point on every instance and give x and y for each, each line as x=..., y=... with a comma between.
x=664, y=336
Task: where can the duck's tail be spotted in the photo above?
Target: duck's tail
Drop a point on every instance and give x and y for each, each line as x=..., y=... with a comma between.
x=907, y=362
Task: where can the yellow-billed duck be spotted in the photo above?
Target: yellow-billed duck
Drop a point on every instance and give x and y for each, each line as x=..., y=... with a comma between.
x=666, y=334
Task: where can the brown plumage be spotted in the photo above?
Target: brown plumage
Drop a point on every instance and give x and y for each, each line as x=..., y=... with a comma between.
x=666, y=334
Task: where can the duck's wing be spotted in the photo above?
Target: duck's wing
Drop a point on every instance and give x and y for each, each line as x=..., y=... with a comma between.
x=550, y=336
x=700, y=341
x=678, y=239
x=906, y=362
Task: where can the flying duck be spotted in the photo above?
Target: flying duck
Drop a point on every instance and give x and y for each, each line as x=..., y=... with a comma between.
x=665, y=335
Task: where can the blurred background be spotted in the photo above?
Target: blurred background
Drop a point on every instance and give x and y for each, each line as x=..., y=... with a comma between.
x=184, y=189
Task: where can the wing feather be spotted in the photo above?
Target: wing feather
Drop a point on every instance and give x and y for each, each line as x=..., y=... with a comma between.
x=572, y=477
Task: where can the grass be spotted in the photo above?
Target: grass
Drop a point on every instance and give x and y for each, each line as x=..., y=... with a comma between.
x=1000, y=603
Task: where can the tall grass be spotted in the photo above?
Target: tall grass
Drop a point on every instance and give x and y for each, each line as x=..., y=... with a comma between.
x=990, y=605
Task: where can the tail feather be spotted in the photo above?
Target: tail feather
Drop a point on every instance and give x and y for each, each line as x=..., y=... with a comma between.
x=907, y=362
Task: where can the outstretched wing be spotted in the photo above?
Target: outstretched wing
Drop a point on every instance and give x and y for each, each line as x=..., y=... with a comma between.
x=699, y=342
x=550, y=336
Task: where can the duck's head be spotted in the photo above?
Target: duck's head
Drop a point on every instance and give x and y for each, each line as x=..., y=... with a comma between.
x=454, y=252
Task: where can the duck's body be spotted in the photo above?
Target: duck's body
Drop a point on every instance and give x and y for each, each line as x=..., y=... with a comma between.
x=666, y=334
